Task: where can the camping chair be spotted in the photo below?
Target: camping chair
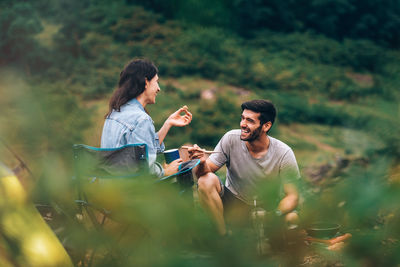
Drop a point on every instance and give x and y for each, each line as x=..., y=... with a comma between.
x=126, y=162
x=129, y=161
x=94, y=165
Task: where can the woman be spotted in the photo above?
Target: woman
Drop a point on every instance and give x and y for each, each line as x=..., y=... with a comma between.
x=127, y=121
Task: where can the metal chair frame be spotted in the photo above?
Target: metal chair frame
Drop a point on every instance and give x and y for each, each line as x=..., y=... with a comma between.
x=183, y=178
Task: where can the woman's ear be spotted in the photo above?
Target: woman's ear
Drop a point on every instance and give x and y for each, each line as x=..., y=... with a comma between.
x=146, y=83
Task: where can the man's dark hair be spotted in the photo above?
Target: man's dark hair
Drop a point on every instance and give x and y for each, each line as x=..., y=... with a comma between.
x=264, y=107
x=132, y=82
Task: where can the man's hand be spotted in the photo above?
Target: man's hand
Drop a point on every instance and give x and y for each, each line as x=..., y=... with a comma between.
x=176, y=119
x=195, y=152
x=205, y=165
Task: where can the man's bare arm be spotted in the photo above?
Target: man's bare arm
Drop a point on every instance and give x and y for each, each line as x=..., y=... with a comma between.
x=205, y=167
x=291, y=199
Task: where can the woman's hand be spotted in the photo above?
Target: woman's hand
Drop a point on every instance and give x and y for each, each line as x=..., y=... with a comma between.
x=172, y=168
x=176, y=119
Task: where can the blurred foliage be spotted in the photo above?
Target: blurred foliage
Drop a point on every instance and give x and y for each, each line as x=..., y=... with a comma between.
x=40, y=118
x=210, y=126
x=24, y=244
x=331, y=63
x=19, y=23
x=374, y=20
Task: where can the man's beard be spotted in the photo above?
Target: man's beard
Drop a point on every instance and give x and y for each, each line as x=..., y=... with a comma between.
x=253, y=136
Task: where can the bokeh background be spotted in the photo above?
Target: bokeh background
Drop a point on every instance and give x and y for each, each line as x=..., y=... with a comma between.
x=331, y=67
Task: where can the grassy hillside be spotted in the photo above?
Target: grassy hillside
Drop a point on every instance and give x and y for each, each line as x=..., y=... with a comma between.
x=337, y=100
x=312, y=79
x=313, y=144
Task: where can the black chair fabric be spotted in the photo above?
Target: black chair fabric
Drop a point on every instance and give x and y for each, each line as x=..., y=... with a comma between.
x=124, y=162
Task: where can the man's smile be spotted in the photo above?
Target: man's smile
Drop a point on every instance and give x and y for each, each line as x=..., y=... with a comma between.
x=245, y=130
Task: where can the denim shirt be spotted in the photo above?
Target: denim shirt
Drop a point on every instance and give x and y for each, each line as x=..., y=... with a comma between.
x=132, y=125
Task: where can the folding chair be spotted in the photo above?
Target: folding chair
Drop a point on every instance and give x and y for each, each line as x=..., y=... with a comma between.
x=128, y=161
x=93, y=165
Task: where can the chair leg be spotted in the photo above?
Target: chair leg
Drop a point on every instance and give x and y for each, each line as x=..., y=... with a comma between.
x=97, y=226
x=103, y=220
x=91, y=258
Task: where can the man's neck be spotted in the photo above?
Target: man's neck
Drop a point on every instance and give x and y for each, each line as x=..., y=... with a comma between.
x=258, y=147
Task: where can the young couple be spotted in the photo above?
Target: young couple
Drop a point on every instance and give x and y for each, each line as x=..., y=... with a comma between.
x=249, y=153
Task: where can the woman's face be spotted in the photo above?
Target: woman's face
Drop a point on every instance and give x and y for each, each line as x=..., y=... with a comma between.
x=151, y=90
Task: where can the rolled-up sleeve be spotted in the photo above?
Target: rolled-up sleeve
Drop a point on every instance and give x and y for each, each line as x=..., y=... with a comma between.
x=160, y=147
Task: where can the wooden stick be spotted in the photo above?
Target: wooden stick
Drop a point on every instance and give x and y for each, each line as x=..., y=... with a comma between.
x=211, y=152
x=205, y=151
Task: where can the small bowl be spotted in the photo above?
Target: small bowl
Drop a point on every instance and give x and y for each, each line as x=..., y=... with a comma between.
x=183, y=152
x=323, y=229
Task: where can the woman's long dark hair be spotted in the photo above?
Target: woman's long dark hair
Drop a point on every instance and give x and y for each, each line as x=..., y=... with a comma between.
x=132, y=82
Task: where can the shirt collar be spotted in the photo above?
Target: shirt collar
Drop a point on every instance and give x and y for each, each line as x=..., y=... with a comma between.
x=135, y=102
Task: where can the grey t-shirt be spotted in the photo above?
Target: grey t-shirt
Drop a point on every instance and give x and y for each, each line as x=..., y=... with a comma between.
x=244, y=171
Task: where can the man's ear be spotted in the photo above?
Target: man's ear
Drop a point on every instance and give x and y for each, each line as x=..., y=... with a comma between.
x=267, y=126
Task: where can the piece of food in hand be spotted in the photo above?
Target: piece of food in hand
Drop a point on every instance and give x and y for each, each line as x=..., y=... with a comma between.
x=336, y=247
x=185, y=107
x=340, y=238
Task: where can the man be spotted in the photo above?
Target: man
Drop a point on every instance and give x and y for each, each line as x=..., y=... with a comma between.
x=251, y=156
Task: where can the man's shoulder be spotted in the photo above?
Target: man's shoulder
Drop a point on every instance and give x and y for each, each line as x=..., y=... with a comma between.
x=279, y=145
x=232, y=136
x=229, y=140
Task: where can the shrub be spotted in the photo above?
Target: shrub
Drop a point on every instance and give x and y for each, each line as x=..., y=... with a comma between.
x=214, y=119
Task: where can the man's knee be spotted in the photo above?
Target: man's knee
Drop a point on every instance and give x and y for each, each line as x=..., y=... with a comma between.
x=292, y=218
x=209, y=183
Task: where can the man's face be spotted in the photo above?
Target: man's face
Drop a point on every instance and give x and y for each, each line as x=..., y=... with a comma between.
x=250, y=125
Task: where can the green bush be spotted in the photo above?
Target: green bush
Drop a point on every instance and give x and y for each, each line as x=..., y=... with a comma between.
x=213, y=120
x=201, y=50
x=361, y=55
